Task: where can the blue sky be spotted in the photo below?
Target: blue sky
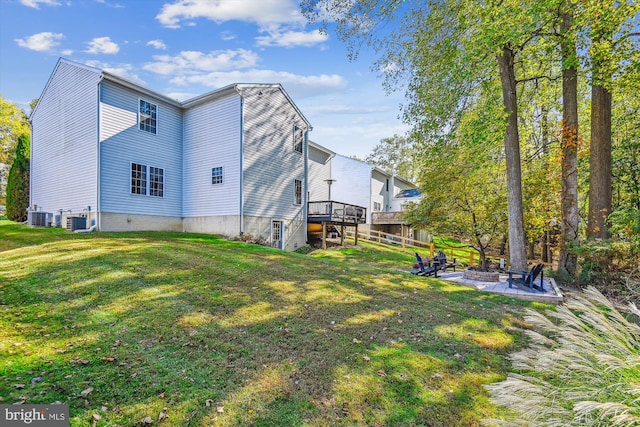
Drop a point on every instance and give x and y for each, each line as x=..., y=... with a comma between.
x=184, y=48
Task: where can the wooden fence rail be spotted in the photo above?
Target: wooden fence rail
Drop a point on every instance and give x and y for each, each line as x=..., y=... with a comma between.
x=463, y=254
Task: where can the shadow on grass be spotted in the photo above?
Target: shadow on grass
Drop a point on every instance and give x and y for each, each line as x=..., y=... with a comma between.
x=214, y=332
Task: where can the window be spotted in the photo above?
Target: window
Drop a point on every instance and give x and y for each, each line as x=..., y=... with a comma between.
x=298, y=138
x=147, y=117
x=377, y=206
x=156, y=182
x=138, y=179
x=143, y=183
x=216, y=175
x=297, y=192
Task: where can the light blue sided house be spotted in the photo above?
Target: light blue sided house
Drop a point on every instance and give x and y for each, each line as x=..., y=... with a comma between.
x=230, y=162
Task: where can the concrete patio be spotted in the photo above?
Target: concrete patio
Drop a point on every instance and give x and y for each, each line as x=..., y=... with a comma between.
x=551, y=296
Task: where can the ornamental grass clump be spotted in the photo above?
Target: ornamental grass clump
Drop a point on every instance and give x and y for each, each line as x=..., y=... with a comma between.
x=582, y=368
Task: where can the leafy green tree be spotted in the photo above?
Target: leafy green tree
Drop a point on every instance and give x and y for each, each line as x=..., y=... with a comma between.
x=395, y=155
x=13, y=123
x=466, y=187
x=18, y=183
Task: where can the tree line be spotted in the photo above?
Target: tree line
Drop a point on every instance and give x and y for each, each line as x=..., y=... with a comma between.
x=525, y=115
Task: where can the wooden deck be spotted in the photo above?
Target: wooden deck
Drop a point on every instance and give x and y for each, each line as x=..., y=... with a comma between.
x=336, y=213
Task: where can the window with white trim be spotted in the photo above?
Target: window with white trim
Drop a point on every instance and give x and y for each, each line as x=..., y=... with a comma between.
x=217, y=175
x=147, y=180
x=297, y=192
x=147, y=117
x=377, y=206
x=138, y=179
x=298, y=139
x=156, y=182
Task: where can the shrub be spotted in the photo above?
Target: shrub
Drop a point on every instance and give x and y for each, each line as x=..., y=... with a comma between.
x=613, y=266
x=582, y=370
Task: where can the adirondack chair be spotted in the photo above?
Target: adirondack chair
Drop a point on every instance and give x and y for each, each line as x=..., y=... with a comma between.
x=424, y=270
x=440, y=262
x=527, y=278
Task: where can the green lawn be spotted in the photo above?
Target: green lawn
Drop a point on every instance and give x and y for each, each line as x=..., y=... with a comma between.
x=196, y=330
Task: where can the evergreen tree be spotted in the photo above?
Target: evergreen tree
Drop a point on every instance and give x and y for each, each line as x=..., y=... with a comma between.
x=18, y=182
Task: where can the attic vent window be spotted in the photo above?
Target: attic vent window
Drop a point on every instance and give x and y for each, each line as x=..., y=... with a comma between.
x=216, y=175
x=147, y=117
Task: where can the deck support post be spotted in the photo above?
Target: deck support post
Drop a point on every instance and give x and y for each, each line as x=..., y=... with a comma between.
x=355, y=236
x=324, y=235
x=342, y=235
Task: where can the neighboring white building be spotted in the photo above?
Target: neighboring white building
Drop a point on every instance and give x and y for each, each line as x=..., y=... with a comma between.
x=230, y=162
x=334, y=177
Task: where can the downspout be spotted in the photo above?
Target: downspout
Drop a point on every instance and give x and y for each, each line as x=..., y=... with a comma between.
x=241, y=163
x=306, y=186
x=98, y=206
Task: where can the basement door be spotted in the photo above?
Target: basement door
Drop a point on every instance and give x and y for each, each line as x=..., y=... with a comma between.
x=277, y=234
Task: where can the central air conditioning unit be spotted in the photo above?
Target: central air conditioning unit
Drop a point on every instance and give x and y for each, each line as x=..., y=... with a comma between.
x=76, y=223
x=38, y=219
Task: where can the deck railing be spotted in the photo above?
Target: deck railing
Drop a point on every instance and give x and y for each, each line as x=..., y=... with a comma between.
x=338, y=212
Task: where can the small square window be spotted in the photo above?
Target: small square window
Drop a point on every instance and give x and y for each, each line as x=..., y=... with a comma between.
x=297, y=192
x=377, y=206
x=298, y=139
x=147, y=117
x=217, y=175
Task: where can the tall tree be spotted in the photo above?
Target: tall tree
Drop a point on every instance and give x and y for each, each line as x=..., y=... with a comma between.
x=18, y=182
x=611, y=32
x=570, y=220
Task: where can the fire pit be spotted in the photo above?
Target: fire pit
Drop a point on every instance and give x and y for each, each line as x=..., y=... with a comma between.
x=481, y=275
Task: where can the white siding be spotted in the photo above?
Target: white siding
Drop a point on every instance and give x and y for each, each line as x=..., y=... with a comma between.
x=270, y=163
x=212, y=139
x=319, y=173
x=122, y=143
x=353, y=182
x=380, y=184
x=64, y=141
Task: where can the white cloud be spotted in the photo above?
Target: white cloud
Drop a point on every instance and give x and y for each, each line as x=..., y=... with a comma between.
x=102, y=45
x=41, y=42
x=158, y=44
x=121, y=70
x=261, y=12
x=190, y=62
x=66, y=52
x=292, y=38
x=227, y=35
x=36, y=3
x=296, y=85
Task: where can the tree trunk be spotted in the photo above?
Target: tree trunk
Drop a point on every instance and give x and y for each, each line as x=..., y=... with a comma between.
x=567, y=265
x=600, y=191
x=517, y=240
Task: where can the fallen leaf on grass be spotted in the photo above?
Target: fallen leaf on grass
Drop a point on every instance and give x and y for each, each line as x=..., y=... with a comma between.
x=96, y=417
x=208, y=402
x=86, y=392
x=162, y=416
x=146, y=421
x=220, y=409
x=382, y=373
x=108, y=359
x=18, y=386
